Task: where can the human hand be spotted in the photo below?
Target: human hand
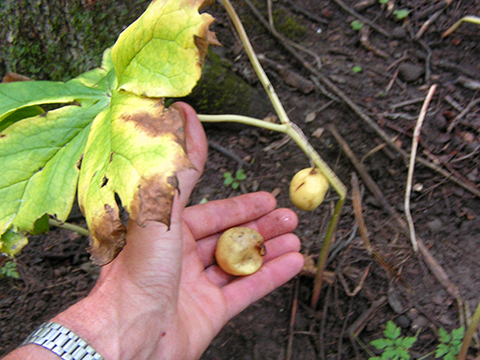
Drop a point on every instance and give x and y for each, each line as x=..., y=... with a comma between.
x=163, y=297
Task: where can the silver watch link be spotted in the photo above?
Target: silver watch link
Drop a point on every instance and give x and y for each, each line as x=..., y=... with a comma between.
x=63, y=342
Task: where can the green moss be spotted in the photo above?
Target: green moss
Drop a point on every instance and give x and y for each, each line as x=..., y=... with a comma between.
x=288, y=25
x=57, y=40
x=221, y=91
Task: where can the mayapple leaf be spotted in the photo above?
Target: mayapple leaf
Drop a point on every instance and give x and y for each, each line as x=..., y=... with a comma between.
x=133, y=153
x=161, y=54
x=38, y=158
x=19, y=100
x=17, y=95
x=20, y=114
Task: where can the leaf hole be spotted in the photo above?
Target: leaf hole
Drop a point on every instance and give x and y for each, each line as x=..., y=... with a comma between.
x=79, y=163
x=104, y=182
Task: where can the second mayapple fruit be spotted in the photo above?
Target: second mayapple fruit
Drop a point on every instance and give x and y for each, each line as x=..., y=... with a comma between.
x=308, y=188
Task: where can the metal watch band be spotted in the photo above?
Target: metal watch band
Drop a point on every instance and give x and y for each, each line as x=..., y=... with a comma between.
x=62, y=342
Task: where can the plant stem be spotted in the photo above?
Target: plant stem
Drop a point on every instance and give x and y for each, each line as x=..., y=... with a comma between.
x=78, y=229
x=277, y=104
x=295, y=133
x=469, y=334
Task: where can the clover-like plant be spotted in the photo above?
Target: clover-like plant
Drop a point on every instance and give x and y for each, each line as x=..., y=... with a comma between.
x=234, y=180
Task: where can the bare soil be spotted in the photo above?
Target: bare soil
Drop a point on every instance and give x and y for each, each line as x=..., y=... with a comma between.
x=379, y=77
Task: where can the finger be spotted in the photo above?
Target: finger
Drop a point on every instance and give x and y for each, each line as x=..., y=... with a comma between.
x=196, y=148
x=215, y=216
x=275, y=223
x=275, y=247
x=244, y=291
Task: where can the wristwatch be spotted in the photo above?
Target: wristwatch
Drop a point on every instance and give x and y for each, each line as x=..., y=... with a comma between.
x=62, y=342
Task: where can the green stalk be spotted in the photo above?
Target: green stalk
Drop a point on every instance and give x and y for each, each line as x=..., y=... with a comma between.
x=294, y=132
x=78, y=229
x=469, y=334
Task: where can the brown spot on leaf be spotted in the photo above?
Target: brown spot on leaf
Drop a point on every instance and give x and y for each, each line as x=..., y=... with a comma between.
x=108, y=237
x=3, y=136
x=170, y=121
x=154, y=200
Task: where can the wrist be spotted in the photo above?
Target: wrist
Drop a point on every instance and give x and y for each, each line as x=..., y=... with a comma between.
x=112, y=325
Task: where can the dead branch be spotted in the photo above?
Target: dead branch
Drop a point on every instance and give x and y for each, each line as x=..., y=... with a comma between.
x=291, y=327
x=436, y=269
x=413, y=155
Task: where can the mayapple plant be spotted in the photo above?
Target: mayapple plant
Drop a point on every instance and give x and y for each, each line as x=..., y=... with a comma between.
x=113, y=140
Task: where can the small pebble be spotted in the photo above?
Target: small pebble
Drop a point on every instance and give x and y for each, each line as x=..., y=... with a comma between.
x=403, y=321
x=420, y=322
x=410, y=72
x=399, y=33
x=435, y=225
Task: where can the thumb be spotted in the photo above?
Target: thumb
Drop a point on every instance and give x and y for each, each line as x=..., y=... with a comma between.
x=154, y=247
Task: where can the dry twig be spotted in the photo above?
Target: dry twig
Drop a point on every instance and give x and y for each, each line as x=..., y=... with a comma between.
x=400, y=224
x=291, y=328
x=413, y=155
x=361, y=18
x=373, y=124
x=465, y=111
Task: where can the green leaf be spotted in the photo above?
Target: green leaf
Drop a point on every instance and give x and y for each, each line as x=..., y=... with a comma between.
x=379, y=344
x=401, y=14
x=39, y=158
x=441, y=350
x=227, y=175
x=357, y=69
x=11, y=243
x=240, y=175
x=9, y=269
x=392, y=331
x=17, y=95
x=407, y=342
x=20, y=114
x=390, y=354
x=228, y=181
x=41, y=225
x=357, y=25
x=403, y=353
x=458, y=334
x=161, y=54
x=443, y=336
x=383, y=1
x=235, y=185
x=134, y=150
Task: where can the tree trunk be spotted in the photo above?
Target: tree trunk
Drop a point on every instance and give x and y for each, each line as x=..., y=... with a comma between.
x=60, y=39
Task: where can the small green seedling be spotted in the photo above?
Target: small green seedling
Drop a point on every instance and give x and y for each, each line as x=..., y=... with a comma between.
x=9, y=269
x=357, y=25
x=401, y=14
x=357, y=69
x=450, y=344
x=383, y=1
x=394, y=346
x=232, y=181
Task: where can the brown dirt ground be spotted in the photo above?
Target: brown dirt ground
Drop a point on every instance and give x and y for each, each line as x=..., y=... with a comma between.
x=55, y=270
